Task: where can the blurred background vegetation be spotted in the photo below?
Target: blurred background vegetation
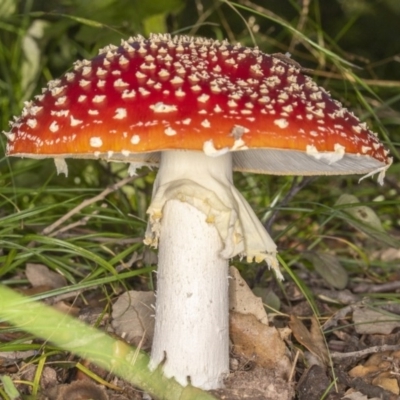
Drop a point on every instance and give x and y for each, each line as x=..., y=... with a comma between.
x=352, y=48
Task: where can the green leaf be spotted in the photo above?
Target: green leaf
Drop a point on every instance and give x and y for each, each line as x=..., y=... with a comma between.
x=9, y=387
x=364, y=214
x=73, y=335
x=32, y=50
x=329, y=268
x=364, y=219
x=7, y=8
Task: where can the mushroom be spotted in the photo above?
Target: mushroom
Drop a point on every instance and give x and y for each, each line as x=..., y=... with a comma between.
x=198, y=109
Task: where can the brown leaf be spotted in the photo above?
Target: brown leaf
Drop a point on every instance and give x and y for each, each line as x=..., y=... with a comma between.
x=259, y=343
x=367, y=321
x=387, y=382
x=40, y=275
x=312, y=340
x=132, y=317
x=242, y=299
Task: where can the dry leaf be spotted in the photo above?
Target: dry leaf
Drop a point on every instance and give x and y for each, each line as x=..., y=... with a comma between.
x=259, y=343
x=387, y=382
x=242, y=299
x=361, y=371
x=66, y=308
x=357, y=396
x=40, y=275
x=133, y=317
x=367, y=321
x=312, y=340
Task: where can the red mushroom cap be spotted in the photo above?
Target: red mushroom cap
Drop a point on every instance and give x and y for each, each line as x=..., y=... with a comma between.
x=165, y=92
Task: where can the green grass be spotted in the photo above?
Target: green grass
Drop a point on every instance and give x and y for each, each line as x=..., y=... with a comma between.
x=39, y=40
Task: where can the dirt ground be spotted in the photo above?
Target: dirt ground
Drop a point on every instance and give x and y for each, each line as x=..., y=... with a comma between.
x=351, y=351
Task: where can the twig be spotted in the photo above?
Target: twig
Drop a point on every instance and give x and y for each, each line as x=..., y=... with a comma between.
x=293, y=370
x=381, y=288
x=365, y=352
x=85, y=203
x=300, y=25
x=81, y=222
x=294, y=189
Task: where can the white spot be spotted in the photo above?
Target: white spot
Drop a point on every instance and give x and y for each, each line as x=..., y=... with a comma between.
x=211, y=151
x=186, y=121
x=288, y=108
x=86, y=71
x=195, y=88
x=54, y=126
x=32, y=122
x=365, y=149
x=61, y=100
x=82, y=98
x=376, y=146
x=35, y=110
x=75, y=122
x=135, y=139
x=281, y=123
x=110, y=153
x=232, y=103
x=120, y=113
x=70, y=76
x=132, y=169
x=169, y=131
x=316, y=96
x=99, y=98
x=239, y=144
x=328, y=157
x=119, y=83
x=163, y=108
x=180, y=93
x=128, y=94
x=176, y=80
x=61, y=113
x=125, y=153
x=93, y=112
x=140, y=76
x=144, y=92
x=163, y=74
x=205, y=123
x=96, y=142
x=84, y=83
x=101, y=72
x=57, y=91
x=10, y=136
x=61, y=166
x=203, y=98
x=123, y=61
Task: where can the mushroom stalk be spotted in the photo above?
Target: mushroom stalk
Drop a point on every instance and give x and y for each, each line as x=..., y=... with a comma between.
x=191, y=329
x=199, y=220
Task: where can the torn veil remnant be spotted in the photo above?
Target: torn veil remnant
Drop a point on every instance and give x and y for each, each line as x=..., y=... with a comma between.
x=198, y=108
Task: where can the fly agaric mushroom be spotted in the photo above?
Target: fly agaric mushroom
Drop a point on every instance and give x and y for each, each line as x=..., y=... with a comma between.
x=198, y=109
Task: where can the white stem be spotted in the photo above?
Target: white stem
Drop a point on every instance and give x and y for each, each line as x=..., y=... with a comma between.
x=191, y=329
x=199, y=220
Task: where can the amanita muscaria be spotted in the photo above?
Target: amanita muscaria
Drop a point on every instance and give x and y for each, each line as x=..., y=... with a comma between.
x=197, y=109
